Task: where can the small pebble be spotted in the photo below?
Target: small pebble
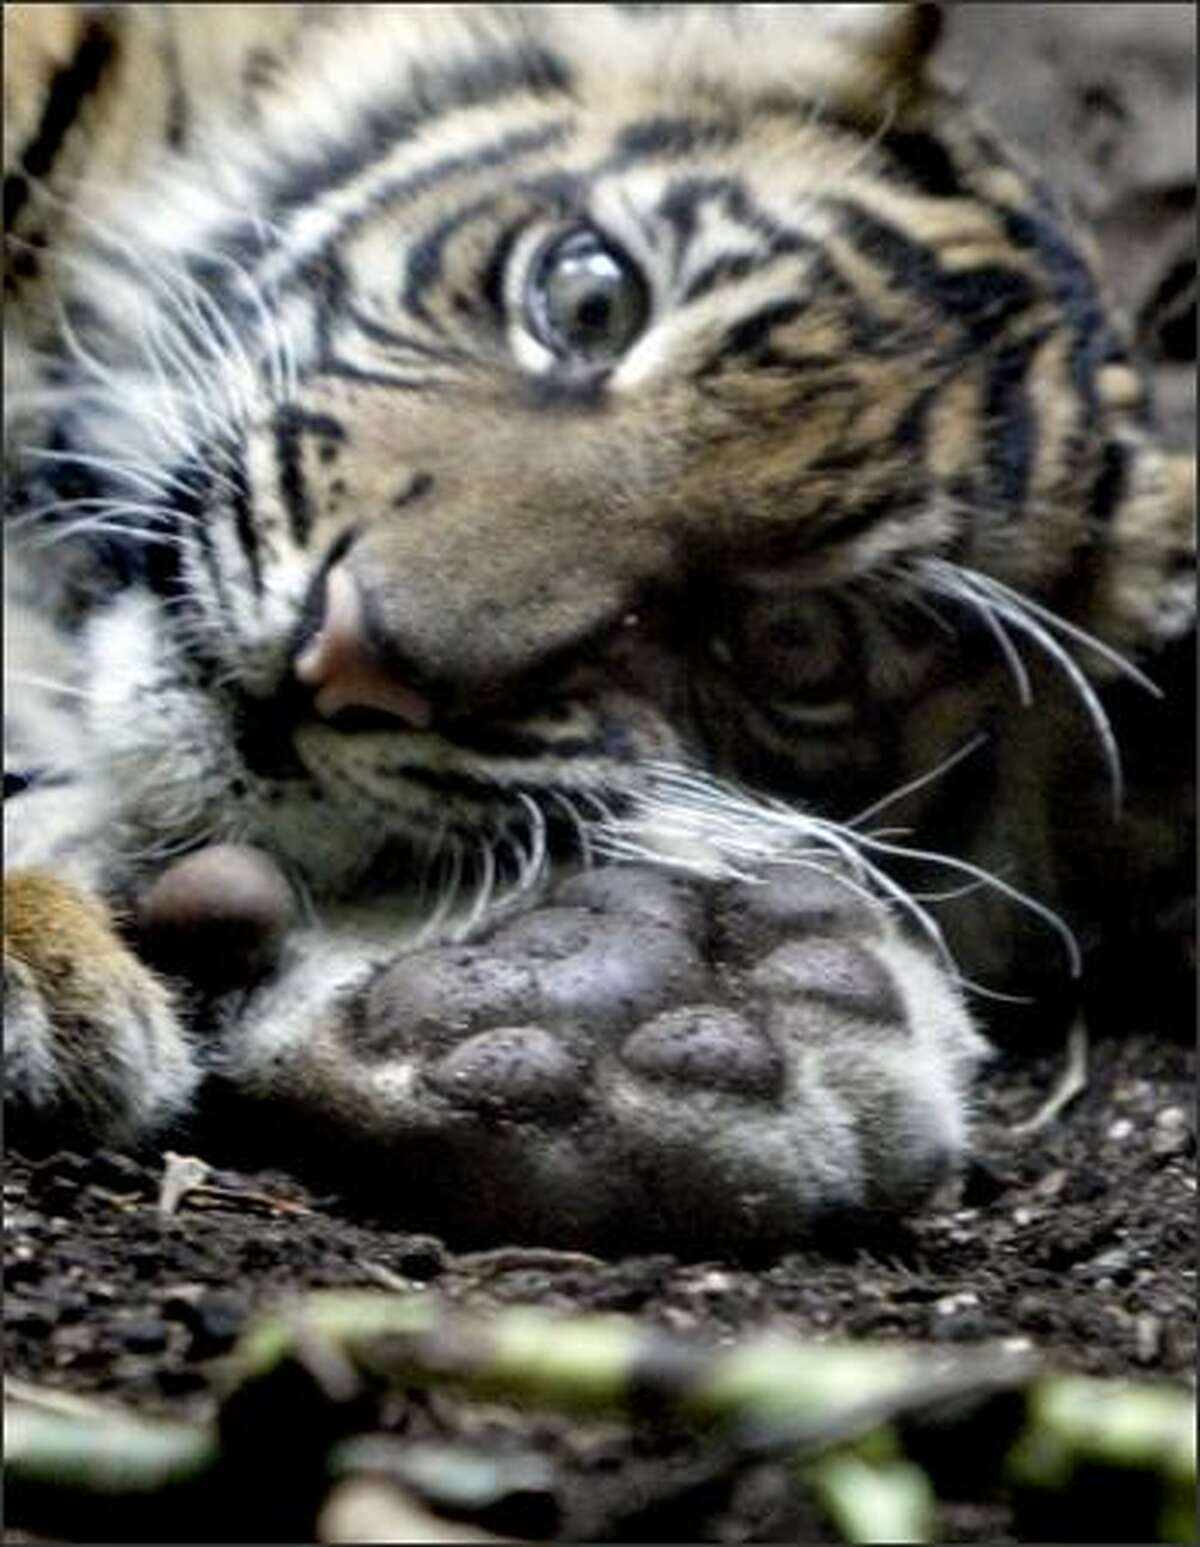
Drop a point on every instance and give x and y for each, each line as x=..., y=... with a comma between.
x=1114, y=1264
x=1051, y=1184
x=72, y=1306
x=1166, y=1142
x=1120, y=1130
x=32, y=1321
x=21, y=1263
x=951, y=1305
x=179, y=1300
x=421, y=1258
x=1148, y=1339
x=145, y=1337
x=214, y=1319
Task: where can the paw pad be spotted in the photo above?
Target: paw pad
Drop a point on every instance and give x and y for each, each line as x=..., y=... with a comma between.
x=624, y=970
x=671, y=1064
x=433, y=998
x=749, y=920
x=836, y=972
x=709, y=1047
x=519, y=1071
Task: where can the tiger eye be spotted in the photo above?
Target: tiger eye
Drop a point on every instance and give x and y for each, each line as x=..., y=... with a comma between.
x=586, y=300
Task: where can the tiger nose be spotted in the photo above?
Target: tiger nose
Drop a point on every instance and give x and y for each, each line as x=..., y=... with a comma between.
x=344, y=668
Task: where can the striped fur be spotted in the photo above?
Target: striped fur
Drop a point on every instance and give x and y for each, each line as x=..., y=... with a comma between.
x=876, y=482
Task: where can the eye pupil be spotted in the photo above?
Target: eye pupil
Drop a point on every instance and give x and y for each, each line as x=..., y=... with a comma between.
x=586, y=300
x=594, y=312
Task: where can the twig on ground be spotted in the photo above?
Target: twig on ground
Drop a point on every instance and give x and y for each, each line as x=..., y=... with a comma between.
x=311, y=1376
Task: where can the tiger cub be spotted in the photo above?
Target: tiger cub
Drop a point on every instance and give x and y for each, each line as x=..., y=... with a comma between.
x=604, y=573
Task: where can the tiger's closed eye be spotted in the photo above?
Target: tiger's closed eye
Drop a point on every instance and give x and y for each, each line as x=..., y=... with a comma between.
x=584, y=299
x=803, y=643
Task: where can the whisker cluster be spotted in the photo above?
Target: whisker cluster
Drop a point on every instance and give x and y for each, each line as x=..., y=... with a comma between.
x=691, y=821
x=1001, y=608
x=183, y=365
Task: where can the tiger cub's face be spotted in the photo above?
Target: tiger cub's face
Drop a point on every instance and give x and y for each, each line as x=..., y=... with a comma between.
x=596, y=424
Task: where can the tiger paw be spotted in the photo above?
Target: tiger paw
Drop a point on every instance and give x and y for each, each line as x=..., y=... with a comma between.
x=647, y=1061
x=92, y=1046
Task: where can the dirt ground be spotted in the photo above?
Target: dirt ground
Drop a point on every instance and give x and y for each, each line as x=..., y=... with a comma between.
x=1078, y=1242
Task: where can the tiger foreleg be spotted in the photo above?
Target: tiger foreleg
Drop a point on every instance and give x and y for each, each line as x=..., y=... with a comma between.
x=93, y=1048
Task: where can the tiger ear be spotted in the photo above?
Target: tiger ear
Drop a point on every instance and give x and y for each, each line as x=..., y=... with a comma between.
x=874, y=56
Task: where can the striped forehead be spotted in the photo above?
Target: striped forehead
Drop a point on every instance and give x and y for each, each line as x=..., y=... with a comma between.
x=516, y=122
x=688, y=198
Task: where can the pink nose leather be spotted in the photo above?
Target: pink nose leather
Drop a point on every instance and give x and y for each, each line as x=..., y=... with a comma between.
x=343, y=668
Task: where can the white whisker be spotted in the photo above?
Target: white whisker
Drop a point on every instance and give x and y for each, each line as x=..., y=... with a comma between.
x=563, y=801
x=68, y=690
x=988, y=878
x=50, y=537
x=942, y=768
x=154, y=479
x=690, y=821
x=1037, y=623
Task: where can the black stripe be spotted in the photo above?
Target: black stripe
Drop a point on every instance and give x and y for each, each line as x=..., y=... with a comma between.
x=70, y=87
x=443, y=782
x=208, y=553
x=177, y=115
x=732, y=267
x=243, y=516
x=491, y=281
x=427, y=97
x=260, y=69
x=662, y=137
x=160, y=570
x=399, y=191
x=324, y=425
x=423, y=263
x=869, y=515
x=681, y=203
x=982, y=299
x=1010, y=424
x=15, y=782
x=1093, y=341
x=1109, y=489
x=912, y=428
x=248, y=243
x=751, y=333
x=389, y=338
x=558, y=192
x=345, y=370
x=868, y=332
x=328, y=286
x=496, y=741
x=499, y=153
x=292, y=423
x=922, y=162
x=724, y=271
x=312, y=609
x=293, y=489
x=421, y=484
